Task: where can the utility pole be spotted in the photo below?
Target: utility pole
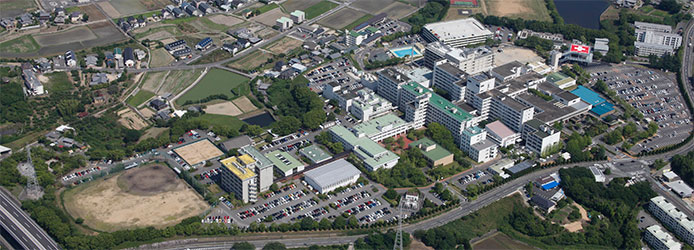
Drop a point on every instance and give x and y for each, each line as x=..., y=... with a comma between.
x=397, y=243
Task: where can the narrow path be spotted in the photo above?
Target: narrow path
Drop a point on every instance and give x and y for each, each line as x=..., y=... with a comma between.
x=161, y=84
x=204, y=72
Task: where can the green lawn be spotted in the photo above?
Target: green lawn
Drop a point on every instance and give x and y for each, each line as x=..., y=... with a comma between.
x=221, y=121
x=139, y=98
x=267, y=7
x=23, y=44
x=59, y=82
x=646, y=9
x=217, y=81
x=319, y=8
x=358, y=22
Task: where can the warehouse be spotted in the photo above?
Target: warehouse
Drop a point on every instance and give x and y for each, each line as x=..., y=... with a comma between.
x=198, y=152
x=333, y=175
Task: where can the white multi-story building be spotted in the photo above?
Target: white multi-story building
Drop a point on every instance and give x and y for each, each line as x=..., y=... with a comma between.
x=508, y=71
x=284, y=23
x=540, y=137
x=381, y=127
x=450, y=78
x=655, y=39
x=298, y=16
x=32, y=83
x=501, y=134
x=353, y=38
x=416, y=111
x=368, y=104
x=658, y=239
x=474, y=142
x=469, y=60
x=672, y=218
x=262, y=167
x=373, y=155
x=457, y=33
x=510, y=111
x=388, y=85
x=238, y=177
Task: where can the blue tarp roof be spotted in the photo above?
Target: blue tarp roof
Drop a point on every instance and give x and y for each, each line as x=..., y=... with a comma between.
x=602, y=108
x=588, y=95
x=550, y=185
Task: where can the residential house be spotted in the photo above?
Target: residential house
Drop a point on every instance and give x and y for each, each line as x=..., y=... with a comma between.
x=91, y=60
x=98, y=78
x=75, y=16
x=128, y=57
x=70, y=59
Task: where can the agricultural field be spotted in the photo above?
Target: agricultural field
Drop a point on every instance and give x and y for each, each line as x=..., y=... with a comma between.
x=220, y=121
x=292, y=5
x=157, y=31
x=139, y=98
x=56, y=82
x=358, y=22
x=270, y=18
x=251, y=61
x=131, y=120
x=225, y=20
x=73, y=35
x=128, y=7
x=23, y=44
x=217, y=81
x=266, y=8
x=283, y=45
x=153, y=80
x=397, y=10
x=178, y=80
x=152, y=132
x=525, y=9
x=161, y=57
x=500, y=241
x=93, y=12
x=341, y=18
x=12, y=8
x=370, y=5
x=149, y=195
x=320, y=8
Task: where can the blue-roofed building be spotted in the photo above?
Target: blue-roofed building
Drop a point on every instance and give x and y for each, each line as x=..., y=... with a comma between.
x=600, y=108
x=204, y=44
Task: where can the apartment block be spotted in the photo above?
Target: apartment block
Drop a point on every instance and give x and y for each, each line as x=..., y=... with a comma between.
x=672, y=218
x=659, y=239
x=474, y=142
x=540, y=137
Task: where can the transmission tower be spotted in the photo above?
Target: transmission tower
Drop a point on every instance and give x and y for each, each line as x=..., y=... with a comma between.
x=397, y=244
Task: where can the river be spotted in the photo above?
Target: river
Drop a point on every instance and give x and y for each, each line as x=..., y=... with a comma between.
x=585, y=13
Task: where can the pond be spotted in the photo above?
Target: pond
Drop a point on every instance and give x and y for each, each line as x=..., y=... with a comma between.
x=263, y=120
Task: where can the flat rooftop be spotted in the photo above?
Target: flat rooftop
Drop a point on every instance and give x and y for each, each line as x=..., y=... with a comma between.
x=379, y=124
x=498, y=128
x=435, y=152
x=315, y=153
x=457, y=29
x=438, y=102
x=199, y=151
x=238, y=166
x=283, y=160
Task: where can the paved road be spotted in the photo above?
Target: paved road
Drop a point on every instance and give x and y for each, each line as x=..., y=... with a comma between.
x=21, y=226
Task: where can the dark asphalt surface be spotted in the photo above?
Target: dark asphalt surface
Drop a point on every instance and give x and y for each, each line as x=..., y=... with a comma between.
x=21, y=226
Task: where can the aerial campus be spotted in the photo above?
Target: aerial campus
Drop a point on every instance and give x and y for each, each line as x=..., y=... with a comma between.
x=346, y=124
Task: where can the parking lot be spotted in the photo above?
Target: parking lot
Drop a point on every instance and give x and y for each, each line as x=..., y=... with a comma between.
x=295, y=201
x=332, y=72
x=656, y=95
x=389, y=26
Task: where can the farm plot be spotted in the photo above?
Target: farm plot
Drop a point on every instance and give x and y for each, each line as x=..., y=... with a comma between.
x=225, y=20
x=215, y=82
x=269, y=18
x=12, y=8
x=131, y=120
x=141, y=197
x=251, y=61
x=292, y=5
x=178, y=80
x=341, y=18
x=128, y=7
x=398, y=10
x=22, y=44
x=283, y=45
x=319, y=8
x=371, y=6
x=93, y=12
x=65, y=37
x=153, y=80
x=160, y=57
x=139, y=98
x=109, y=9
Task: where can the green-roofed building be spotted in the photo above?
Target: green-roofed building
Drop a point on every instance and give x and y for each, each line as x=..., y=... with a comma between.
x=561, y=80
x=284, y=163
x=439, y=109
x=382, y=127
x=436, y=154
x=373, y=155
x=315, y=154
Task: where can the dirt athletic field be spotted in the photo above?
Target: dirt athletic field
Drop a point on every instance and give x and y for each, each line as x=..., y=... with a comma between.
x=145, y=196
x=224, y=108
x=244, y=104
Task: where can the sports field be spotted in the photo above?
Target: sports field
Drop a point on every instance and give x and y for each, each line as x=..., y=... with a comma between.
x=22, y=44
x=525, y=9
x=144, y=196
x=217, y=81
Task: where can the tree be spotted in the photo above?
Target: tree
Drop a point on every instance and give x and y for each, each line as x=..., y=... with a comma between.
x=313, y=119
x=670, y=6
x=274, y=246
x=390, y=194
x=244, y=245
x=79, y=221
x=274, y=187
x=352, y=221
x=339, y=222
x=324, y=224
x=254, y=130
x=268, y=138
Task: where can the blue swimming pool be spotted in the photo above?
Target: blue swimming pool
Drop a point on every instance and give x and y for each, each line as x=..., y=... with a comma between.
x=408, y=51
